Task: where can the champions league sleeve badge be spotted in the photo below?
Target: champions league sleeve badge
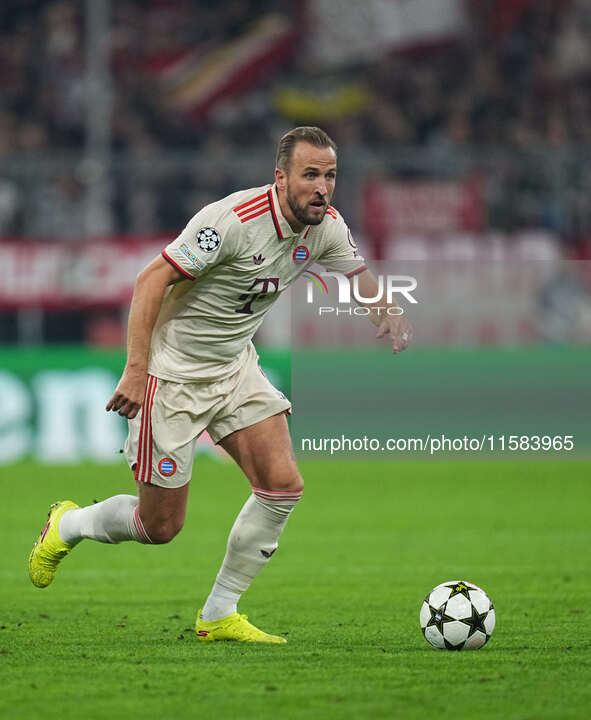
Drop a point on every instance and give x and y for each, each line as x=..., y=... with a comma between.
x=208, y=239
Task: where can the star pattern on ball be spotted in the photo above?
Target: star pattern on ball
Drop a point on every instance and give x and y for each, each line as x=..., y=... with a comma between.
x=459, y=588
x=450, y=646
x=476, y=622
x=438, y=617
x=459, y=626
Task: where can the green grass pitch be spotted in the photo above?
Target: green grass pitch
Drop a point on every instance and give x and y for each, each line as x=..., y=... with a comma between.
x=112, y=636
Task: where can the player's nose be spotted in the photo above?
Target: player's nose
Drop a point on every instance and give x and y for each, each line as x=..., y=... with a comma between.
x=321, y=190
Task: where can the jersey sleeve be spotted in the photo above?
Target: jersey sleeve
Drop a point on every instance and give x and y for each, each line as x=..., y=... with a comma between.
x=341, y=253
x=206, y=241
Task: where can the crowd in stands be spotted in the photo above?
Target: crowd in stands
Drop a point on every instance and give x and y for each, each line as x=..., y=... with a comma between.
x=524, y=89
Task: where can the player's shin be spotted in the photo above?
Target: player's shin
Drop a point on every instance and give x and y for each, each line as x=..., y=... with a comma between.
x=252, y=541
x=113, y=521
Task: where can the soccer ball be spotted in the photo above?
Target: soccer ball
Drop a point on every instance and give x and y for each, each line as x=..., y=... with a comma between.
x=457, y=615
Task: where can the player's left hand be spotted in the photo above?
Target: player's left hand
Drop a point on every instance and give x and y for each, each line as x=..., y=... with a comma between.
x=399, y=330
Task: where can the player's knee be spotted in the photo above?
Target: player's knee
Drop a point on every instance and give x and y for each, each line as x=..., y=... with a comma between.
x=163, y=531
x=288, y=480
x=297, y=484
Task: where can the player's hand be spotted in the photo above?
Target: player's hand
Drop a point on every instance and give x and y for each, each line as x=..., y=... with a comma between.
x=129, y=394
x=399, y=330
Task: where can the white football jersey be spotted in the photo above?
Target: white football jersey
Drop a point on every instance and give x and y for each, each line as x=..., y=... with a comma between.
x=238, y=255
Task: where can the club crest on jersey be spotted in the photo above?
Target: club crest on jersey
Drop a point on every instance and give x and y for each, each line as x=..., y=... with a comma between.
x=167, y=467
x=208, y=239
x=300, y=254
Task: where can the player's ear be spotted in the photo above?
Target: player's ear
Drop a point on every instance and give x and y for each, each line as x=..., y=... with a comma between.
x=280, y=179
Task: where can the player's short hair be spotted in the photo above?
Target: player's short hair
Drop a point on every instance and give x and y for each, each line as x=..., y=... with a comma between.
x=313, y=135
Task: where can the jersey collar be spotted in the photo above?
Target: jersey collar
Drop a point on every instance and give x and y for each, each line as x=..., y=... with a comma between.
x=282, y=227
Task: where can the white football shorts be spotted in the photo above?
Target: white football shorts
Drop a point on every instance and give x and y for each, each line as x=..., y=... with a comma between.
x=160, y=445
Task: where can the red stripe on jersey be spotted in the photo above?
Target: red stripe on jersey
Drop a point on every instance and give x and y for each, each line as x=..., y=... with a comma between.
x=249, y=202
x=252, y=208
x=168, y=259
x=356, y=272
x=307, y=231
x=273, y=214
x=256, y=214
x=332, y=212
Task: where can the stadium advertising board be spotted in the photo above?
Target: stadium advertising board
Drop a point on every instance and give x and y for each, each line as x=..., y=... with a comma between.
x=53, y=403
x=61, y=276
x=393, y=208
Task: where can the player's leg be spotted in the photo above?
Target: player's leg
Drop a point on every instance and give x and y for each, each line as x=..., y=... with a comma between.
x=111, y=521
x=154, y=517
x=162, y=511
x=162, y=470
x=265, y=454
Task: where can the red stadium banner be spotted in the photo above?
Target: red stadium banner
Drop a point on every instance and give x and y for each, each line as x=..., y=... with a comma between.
x=392, y=208
x=58, y=276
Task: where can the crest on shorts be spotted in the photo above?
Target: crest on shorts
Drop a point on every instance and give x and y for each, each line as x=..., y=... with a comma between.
x=300, y=254
x=208, y=239
x=167, y=467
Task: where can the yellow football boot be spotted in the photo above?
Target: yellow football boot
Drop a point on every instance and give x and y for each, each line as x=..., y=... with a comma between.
x=50, y=549
x=235, y=628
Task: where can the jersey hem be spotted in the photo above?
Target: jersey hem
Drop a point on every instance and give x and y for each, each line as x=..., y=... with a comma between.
x=356, y=272
x=230, y=368
x=176, y=266
x=190, y=379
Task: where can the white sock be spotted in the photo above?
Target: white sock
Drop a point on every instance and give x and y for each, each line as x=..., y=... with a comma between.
x=111, y=521
x=252, y=541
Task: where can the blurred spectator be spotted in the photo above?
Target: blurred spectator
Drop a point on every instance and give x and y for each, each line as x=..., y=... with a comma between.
x=10, y=207
x=56, y=209
x=517, y=82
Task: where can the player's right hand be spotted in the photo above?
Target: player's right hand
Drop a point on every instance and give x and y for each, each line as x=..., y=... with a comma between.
x=129, y=394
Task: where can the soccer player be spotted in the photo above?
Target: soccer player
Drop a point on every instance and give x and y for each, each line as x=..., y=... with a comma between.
x=191, y=366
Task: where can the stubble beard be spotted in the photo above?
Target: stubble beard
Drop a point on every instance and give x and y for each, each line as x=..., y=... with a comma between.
x=299, y=212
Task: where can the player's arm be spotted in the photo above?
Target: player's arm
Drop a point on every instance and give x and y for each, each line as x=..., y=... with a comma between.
x=148, y=293
x=385, y=316
x=342, y=256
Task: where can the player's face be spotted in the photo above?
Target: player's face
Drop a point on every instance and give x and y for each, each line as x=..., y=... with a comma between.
x=310, y=182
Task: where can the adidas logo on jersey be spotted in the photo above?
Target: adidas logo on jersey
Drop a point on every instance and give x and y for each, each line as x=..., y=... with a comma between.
x=258, y=259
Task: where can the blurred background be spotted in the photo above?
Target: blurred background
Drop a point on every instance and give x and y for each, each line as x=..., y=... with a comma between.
x=463, y=126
